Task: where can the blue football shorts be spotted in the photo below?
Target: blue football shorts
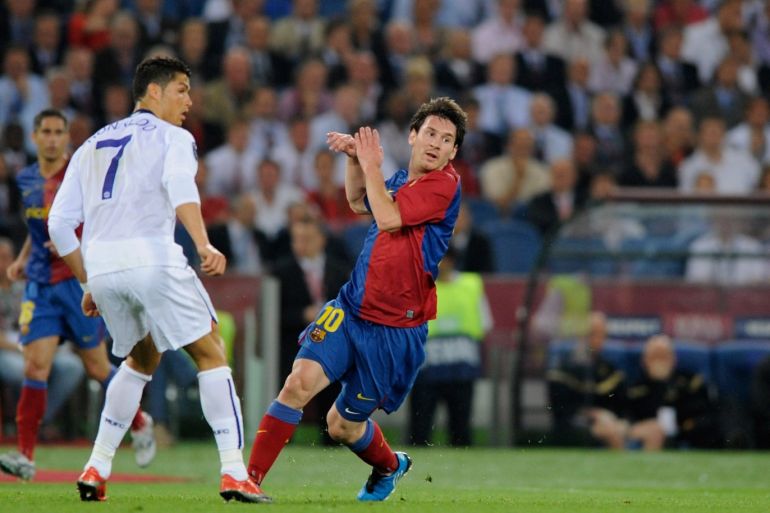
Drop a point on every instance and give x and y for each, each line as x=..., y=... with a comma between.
x=376, y=364
x=54, y=310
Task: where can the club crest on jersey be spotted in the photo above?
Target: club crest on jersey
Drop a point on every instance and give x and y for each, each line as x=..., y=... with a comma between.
x=317, y=335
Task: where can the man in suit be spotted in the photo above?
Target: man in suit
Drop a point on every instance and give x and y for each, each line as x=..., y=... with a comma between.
x=680, y=77
x=471, y=247
x=538, y=69
x=268, y=67
x=547, y=211
x=239, y=240
x=458, y=72
x=724, y=99
x=47, y=49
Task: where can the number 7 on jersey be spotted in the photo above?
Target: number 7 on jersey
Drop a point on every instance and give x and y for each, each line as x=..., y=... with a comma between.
x=109, y=179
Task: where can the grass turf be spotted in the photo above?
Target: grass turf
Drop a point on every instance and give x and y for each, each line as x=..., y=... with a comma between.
x=443, y=481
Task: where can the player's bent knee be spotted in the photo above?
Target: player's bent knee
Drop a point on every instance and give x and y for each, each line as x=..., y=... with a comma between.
x=342, y=430
x=207, y=352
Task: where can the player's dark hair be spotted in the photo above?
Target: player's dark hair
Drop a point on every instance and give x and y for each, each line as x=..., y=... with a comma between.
x=48, y=113
x=156, y=70
x=445, y=108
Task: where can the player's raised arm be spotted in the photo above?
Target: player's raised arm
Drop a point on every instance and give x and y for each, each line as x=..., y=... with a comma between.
x=355, y=188
x=370, y=156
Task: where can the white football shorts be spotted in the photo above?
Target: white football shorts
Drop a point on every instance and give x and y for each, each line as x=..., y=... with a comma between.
x=170, y=303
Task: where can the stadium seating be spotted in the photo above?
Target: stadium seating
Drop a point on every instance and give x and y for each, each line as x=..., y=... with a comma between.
x=516, y=245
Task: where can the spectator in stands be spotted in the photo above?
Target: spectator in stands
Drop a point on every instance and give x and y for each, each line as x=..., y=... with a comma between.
x=363, y=75
x=614, y=70
x=668, y=404
x=584, y=159
x=394, y=129
x=117, y=61
x=450, y=14
x=515, y=177
x=679, y=77
x=343, y=117
x=155, y=28
x=573, y=35
x=79, y=63
x=231, y=167
x=13, y=150
x=336, y=51
x=499, y=34
x=741, y=51
x=269, y=68
x=551, y=142
x=22, y=93
x=452, y=355
x=735, y=172
x=611, y=144
x=17, y=27
x=471, y=248
x=226, y=98
x=678, y=135
x=116, y=104
x=477, y=147
x=207, y=135
x=503, y=106
x=309, y=96
x=11, y=223
x=229, y=31
x=678, y=13
x=328, y=194
x=705, y=42
x=648, y=100
x=548, y=210
x=301, y=33
x=309, y=277
x=723, y=99
x=90, y=27
x=59, y=91
x=457, y=71
x=266, y=130
x=399, y=47
x=574, y=101
x=365, y=30
x=81, y=128
x=238, y=239
x=192, y=48
x=638, y=30
x=705, y=183
x=273, y=197
x=429, y=35
x=538, y=69
x=47, y=49
x=587, y=394
x=419, y=84
x=726, y=256
x=753, y=135
x=648, y=167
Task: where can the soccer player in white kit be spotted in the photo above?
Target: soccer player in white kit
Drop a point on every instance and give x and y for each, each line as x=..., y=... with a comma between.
x=127, y=184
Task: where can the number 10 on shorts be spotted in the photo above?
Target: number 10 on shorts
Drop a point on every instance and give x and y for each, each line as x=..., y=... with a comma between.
x=331, y=318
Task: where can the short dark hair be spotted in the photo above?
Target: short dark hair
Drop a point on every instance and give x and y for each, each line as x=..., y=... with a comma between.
x=157, y=70
x=48, y=113
x=445, y=108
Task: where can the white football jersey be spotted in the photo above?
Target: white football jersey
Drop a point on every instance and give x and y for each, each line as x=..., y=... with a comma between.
x=119, y=184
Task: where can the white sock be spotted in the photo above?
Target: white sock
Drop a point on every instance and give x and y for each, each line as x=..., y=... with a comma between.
x=120, y=405
x=222, y=409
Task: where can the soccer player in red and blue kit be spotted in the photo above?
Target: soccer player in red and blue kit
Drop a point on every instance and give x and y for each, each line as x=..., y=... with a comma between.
x=371, y=336
x=50, y=311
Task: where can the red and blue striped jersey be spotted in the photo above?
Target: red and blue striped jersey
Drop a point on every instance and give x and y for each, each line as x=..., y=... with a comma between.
x=37, y=195
x=393, y=280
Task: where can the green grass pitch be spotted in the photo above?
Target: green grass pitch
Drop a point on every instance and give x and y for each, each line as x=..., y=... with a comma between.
x=443, y=480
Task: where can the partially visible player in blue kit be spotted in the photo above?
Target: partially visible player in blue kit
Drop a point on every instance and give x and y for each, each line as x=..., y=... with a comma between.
x=50, y=311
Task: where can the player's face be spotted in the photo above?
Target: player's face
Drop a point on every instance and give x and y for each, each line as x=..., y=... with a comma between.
x=175, y=100
x=51, y=138
x=433, y=146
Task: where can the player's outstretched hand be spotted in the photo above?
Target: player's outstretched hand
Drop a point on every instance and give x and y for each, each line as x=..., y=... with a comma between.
x=343, y=143
x=15, y=271
x=89, y=307
x=213, y=262
x=368, y=149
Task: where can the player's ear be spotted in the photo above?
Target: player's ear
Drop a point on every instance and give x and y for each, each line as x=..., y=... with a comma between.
x=412, y=136
x=154, y=91
x=454, y=152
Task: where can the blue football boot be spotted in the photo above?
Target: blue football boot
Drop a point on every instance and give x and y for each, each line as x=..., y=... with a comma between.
x=379, y=487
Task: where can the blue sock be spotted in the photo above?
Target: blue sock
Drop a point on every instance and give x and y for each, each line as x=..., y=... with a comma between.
x=284, y=413
x=365, y=440
x=33, y=383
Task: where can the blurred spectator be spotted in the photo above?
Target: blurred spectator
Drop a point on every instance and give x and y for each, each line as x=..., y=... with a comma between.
x=17, y=27
x=22, y=93
x=670, y=404
x=502, y=105
x=723, y=99
x=336, y=51
x=705, y=183
x=678, y=135
x=155, y=27
x=90, y=27
x=471, y=248
x=296, y=156
x=573, y=35
x=268, y=67
x=500, y=34
x=394, y=129
x=726, y=256
x=452, y=355
x=419, y=85
x=309, y=95
x=551, y=208
x=328, y=194
x=11, y=223
x=477, y=146
x=515, y=177
x=735, y=172
x=753, y=135
x=363, y=74
x=538, y=69
x=614, y=70
x=605, y=124
x=231, y=167
x=59, y=91
x=207, y=135
x=116, y=104
x=343, y=117
x=117, y=62
x=226, y=98
x=429, y=36
x=574, y=101
x=47, y=49
x=308, y=278
x=266, y=131
x=584, y=158
x=13, y=150
x=399, y=47
x=551, y=142
x=192, y=48
x=648, y=167
x=450, y=14
x=229, y=30
x=457, y=71
x=678, y=13
x=273, y=197
x=587, y=394
x=638, y=30
x=81, y=128
x=301, y=33
x=705, y=43
x=239, y=241
x=760, y=42
x=365, y=30
x=79, y=63
x=679, y=77
x=740, y=50
x=647, y=101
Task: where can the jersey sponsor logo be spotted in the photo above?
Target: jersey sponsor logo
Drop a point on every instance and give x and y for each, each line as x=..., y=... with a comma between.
x=361, y=397
x=37, y=212
x=317, y=335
